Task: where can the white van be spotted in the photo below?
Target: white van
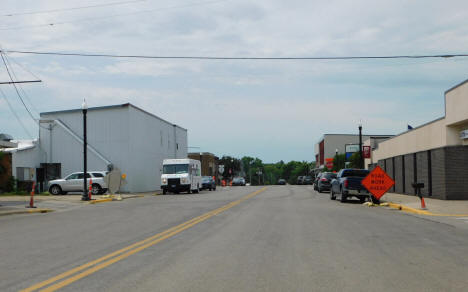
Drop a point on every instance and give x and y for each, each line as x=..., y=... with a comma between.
x=181, y=175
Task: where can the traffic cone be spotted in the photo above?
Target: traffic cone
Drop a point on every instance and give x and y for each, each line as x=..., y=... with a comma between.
x=90, y=192
x=31, y=200
x=423, y=204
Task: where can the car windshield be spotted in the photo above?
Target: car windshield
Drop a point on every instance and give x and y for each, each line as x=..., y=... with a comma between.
x=206, y=179
x=175, y=168
x=355, y=172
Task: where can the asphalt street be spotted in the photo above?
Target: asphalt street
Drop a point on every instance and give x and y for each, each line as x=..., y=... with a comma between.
x=279, y=238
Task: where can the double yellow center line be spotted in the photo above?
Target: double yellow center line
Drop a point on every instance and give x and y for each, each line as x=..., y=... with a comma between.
x=91, y=267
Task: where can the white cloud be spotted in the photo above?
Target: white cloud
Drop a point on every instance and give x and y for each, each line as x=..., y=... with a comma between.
x=263, y=104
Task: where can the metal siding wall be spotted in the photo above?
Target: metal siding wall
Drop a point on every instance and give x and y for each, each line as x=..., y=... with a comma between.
x=147, y=154
x=389, y=170
x=107, y=133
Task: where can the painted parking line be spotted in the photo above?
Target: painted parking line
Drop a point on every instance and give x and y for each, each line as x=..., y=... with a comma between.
x=91, y=267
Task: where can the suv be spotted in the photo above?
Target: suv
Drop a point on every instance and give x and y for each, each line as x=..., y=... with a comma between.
x=238, y=181
x=74, y=183
x=300, y=180
x=307, y=180
x=208, y=183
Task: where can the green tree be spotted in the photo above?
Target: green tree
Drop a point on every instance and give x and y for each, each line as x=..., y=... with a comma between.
x=339, y=162
x=355, y=160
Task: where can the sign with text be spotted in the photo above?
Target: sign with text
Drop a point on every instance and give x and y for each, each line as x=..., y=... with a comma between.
x=366, y=151
x=377, y=182
x=329, y=163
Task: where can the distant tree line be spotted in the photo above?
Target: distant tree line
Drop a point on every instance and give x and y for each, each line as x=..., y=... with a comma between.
x=256, y=172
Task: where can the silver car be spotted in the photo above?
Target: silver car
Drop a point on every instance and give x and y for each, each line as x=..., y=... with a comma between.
x=74, y=183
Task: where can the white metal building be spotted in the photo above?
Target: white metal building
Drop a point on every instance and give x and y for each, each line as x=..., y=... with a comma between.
x=126, y=136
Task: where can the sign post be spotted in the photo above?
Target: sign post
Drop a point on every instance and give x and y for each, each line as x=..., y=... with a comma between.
x=377, y=182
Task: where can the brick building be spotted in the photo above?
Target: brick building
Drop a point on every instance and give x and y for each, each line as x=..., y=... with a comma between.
x=435, y=153
x=209, y=162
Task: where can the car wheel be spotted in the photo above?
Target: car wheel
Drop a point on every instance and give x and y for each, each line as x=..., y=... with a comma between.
x=55, y=190
x=343, y=198
x=332, y=195
x=96, y=189
x=319, y=189
x=164, y=191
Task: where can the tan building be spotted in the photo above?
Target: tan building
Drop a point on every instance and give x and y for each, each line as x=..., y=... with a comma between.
x=209, y=162
x=435, y=153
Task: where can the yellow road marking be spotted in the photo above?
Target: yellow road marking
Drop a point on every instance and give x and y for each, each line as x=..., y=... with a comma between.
x=129, y=250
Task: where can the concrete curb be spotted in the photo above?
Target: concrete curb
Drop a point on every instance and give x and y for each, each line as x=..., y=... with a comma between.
x=418, y=211
x=32, y=211
x=100, y=201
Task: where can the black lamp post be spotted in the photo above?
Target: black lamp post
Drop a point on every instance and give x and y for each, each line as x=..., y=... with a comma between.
x=85, y=196
x=361, y=161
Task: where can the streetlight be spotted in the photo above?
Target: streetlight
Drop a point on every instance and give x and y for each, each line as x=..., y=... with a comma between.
x=361, y=161
x=85, y=196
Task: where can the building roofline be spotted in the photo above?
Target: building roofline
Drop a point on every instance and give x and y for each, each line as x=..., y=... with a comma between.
x=364, y=135
x=420, y=126
x=455, y=86
x=109, y=107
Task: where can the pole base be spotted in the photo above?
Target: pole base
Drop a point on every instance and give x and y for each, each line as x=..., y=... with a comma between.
x=30, y=206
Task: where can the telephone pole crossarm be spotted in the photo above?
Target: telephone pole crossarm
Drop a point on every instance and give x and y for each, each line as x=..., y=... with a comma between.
x=15, y=82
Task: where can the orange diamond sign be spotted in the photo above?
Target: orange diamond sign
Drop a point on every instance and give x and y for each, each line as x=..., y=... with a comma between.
x=377, y=182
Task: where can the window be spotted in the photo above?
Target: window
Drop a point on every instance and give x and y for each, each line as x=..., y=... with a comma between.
x=73, y=176
x=98, y=174
x=175, y=168
x=80, y=175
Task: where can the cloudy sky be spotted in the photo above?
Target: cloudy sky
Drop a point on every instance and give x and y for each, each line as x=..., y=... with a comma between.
x=270, y=109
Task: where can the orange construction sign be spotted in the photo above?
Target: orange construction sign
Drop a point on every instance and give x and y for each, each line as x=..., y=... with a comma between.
x=377, y=182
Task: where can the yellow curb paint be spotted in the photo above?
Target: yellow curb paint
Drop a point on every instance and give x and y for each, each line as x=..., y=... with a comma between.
x=129, y=250
x=421, y=212
x=100, y=201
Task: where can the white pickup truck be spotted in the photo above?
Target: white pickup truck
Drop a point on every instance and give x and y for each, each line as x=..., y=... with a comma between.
x=74, y=183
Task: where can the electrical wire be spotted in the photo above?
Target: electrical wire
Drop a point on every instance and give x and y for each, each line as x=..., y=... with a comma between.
x=72, y=8
x=16, y=88
x=21, y=87
x=237, y=58
x=15, y=114
x=112, y=16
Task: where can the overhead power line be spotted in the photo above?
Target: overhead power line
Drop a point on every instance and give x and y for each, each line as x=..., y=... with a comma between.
x=236, y=58
x=15, y=114
x=16, y=88
x=112, y=16
x=72, y=8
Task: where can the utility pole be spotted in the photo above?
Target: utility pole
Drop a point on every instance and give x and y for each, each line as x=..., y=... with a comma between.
x=361, y=161
x=85, y=196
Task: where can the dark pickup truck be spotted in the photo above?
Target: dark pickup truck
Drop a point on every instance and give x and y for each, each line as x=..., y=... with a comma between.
x=348, y=184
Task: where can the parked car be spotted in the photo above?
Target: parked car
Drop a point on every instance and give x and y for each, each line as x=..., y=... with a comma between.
x=307, y=180
x=300, y=180
x=317, y=177
x=74, y=183
x=324, y=181
x=348, y=184
x=281, y=181
x=238, y=181
x=208, y=183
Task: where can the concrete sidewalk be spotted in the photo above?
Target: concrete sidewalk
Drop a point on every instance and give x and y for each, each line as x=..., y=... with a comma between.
x=449, y=207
